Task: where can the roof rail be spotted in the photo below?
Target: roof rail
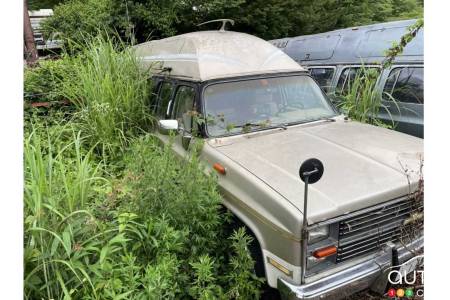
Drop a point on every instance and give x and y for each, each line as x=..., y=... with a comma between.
x=224, y=22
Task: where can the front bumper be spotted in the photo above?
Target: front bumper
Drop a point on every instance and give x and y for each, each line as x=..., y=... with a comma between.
x=371, y=273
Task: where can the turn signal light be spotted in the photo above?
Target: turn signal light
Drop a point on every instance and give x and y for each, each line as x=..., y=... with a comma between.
x=324, y=252
x=219, y=168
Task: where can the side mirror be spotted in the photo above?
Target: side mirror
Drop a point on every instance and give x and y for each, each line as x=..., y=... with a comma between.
x=310, y=172
x=167, y=126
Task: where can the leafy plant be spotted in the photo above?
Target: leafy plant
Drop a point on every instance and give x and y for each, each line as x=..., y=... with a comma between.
x=397, y=48
x=242, y=279
x=42, y=83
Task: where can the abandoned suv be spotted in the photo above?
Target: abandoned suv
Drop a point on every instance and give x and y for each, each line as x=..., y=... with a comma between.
x=263, y=116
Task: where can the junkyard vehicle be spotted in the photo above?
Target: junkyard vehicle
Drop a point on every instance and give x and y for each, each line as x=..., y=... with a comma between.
x=263, y=115
x=333, y=59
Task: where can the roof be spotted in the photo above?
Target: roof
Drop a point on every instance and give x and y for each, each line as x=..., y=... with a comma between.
x=353, y=45
x=208, y=55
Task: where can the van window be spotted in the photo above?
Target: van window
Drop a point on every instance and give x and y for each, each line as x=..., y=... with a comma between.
x=347, y=77
x=154, y=88
x=165, y=95
x=405, y=85
x=323, y=76
x=184, y=105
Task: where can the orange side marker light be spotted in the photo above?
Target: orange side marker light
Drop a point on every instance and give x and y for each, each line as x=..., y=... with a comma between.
x=219, y=168
x=324, y=252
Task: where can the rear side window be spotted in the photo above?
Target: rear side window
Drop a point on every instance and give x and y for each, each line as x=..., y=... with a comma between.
x=164, y=97
x=405, y=85
x=323, y=76
x=184, y=106
x=347, y=77
x=154, y=87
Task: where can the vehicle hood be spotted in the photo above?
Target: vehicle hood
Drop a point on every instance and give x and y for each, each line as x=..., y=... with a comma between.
x=364, y=165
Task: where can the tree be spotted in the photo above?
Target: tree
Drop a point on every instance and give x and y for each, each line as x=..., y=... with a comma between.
x=268, y=19
x=31, y=53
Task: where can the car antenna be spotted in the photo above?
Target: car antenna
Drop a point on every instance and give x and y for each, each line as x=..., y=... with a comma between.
x=224, y=22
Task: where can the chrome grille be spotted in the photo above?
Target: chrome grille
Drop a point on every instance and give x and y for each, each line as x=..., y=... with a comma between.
x=368, y=231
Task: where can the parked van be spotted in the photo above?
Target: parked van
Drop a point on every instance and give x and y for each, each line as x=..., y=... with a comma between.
x=260, y=115
x=333, y=58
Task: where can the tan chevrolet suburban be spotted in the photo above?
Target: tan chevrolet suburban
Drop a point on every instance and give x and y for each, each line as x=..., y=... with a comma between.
x=263, y=117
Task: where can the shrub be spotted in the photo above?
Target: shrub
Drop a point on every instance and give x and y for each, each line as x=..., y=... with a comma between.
x=42, y=83
x=159, y=183
x=75, y=20
x=162, y=184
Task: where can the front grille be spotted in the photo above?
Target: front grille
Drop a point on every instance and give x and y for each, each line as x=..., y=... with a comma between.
x=369, y=231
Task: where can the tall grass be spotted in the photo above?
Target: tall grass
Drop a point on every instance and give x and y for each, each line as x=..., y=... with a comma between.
x=59, y=181
x=111, y=93
x=361, y=100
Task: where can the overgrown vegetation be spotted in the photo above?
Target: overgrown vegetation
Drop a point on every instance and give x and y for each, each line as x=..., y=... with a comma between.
x=268, y=19
x=361, y=98
x=109, y=213
x=43, y=84
x=110, y=92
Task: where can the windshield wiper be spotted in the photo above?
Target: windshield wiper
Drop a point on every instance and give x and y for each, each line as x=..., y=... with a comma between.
x=329, y=119
x=250, y=125
x=246, y=125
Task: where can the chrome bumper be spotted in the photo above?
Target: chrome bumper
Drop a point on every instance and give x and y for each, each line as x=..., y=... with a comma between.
x=371, y=273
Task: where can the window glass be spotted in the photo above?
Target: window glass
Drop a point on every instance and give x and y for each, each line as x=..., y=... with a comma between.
x=165, y=94
x=405, y=85
x=242, y=106
x=347, y=77
x=323, y=76
x=184, y=105
x=154, y=87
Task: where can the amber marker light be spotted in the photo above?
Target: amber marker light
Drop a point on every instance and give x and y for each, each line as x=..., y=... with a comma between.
x=324, y=252
x=219, y=168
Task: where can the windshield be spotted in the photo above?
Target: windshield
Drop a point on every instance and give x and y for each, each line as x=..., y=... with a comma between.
x=243, y=106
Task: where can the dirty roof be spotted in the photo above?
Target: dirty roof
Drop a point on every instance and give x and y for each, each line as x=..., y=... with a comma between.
x=366, y=44
x=208, y=55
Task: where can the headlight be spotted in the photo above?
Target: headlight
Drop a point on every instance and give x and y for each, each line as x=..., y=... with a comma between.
x=317, y=234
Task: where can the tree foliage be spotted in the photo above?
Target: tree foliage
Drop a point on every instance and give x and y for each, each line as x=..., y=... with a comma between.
x=76, y=19
x=268, y=19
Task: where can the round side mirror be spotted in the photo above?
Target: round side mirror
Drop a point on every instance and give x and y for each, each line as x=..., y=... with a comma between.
x=312, y=169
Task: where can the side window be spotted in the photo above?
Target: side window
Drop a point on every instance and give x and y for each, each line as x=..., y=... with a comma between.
x=164, y=103
x=323, y=76
x=154, y=88
x=405, y=85
x=347, y=77
x=184, y=105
